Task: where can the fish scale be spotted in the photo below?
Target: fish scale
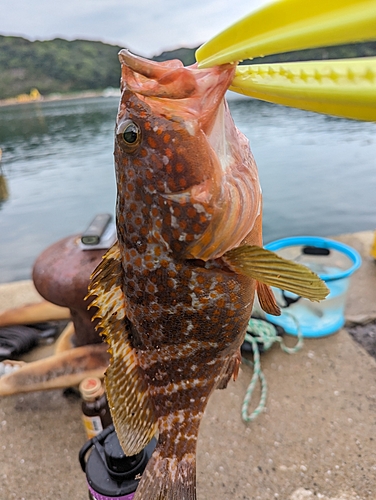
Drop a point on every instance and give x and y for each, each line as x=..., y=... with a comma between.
x=175, y=293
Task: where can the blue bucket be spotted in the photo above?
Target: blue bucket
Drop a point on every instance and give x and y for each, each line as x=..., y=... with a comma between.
x=334, y=262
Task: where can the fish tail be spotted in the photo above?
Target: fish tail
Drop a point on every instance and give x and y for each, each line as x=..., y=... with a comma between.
x=168, y=478
x=171, y=471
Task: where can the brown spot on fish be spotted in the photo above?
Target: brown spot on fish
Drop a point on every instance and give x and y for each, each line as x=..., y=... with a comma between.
x=182, y=182
x=191, y=212
x=152, y=142
x=148, y=199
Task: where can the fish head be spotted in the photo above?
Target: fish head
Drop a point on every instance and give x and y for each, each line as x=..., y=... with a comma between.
x=186, y=179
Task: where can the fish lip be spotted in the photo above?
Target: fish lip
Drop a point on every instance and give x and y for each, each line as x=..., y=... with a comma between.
x=185, y=91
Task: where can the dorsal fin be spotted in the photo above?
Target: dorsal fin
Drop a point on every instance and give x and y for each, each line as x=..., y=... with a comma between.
x=127, y=391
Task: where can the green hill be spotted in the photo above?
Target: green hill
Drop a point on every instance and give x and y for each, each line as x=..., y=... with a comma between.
x=62, y=66
x=187, y=56
x=56, y=66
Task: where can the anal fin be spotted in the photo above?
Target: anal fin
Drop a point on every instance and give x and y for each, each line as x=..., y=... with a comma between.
x=127, y=391
x=231, y=370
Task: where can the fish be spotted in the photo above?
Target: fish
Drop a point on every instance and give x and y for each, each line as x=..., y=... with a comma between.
x=176, y=291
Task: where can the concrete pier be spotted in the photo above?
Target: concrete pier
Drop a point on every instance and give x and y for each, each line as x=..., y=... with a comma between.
x=316, y=438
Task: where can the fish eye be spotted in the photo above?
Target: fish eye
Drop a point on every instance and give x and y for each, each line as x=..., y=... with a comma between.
x=130, y=134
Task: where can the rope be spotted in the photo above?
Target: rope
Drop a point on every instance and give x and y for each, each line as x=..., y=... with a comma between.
x=264, y=333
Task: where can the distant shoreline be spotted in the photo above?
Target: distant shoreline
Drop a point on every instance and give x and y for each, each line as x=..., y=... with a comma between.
x=85, y=94
x=89, y=94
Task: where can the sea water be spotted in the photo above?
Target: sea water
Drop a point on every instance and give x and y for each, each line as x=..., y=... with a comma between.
x=317, y=173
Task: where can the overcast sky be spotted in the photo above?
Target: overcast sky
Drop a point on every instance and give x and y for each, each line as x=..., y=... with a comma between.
x=145, y=26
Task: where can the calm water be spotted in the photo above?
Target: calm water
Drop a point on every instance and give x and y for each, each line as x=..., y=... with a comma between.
x=318, y=174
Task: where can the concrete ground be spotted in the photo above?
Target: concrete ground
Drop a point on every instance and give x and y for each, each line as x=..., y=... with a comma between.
x=316, y=439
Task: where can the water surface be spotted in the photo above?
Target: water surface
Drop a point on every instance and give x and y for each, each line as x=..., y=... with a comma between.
x=318, y=173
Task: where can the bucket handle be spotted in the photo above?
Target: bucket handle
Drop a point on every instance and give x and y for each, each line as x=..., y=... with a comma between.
x=312, y=250
x=289, y=300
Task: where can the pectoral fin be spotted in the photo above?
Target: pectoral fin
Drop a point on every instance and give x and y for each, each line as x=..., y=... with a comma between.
x=127, y=391
x=270, y=269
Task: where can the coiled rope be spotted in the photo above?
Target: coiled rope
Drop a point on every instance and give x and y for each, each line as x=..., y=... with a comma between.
x=262, y=332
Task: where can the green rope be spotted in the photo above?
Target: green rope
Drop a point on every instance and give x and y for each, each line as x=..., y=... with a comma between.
x=263, y=333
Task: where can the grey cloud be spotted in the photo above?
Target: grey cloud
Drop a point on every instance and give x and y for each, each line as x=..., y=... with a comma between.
x=146, y=27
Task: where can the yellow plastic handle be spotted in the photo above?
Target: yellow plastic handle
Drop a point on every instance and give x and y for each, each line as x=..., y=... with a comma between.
x=345, y=88
x=288, y=25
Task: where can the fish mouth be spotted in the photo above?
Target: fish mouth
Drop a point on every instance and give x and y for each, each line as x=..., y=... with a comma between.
x=192, y=94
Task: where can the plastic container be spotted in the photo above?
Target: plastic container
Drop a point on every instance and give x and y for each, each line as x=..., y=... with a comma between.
x=334, y=262
x=96, y=414
x=110, y=474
